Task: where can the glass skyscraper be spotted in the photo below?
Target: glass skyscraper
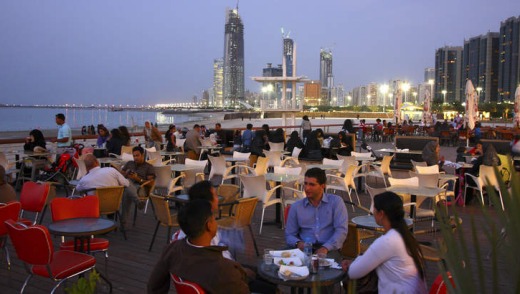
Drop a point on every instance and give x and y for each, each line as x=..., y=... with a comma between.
x=233, y=59
x=509, y=62
x=480, y=65
x=448, y=64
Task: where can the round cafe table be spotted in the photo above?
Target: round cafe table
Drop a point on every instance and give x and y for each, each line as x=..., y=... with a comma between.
x=81, y=229
x=324, y=278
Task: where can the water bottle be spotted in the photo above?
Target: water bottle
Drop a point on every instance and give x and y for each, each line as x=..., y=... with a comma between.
x=307, y=249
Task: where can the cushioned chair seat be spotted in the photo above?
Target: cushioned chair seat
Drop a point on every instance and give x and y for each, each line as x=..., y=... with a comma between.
x=96, y=244
x=65, y=263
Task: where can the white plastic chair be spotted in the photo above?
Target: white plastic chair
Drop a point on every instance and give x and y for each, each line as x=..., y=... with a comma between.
x=192, y=175
x=243, y=157
x=487, y=177
x=345, y=183
x=180, y=143
x=296, y=152
x=275, y=157
x=218, y=166
x=255, y=186
x=432, y=169
x=276, y=146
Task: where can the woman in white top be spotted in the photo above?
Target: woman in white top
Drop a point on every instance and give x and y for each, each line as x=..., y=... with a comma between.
x=395, y=256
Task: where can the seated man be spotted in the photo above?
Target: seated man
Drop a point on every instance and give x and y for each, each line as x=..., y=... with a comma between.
x=97, y=177
x=320, y=218
x=204, y=191
x=194, y=259
x=138, y=172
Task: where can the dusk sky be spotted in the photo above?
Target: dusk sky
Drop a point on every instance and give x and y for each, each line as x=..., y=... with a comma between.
x=162, y=51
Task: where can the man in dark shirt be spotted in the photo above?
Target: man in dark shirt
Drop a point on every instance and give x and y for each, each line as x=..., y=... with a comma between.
x=194, y=259
x=221, y=135
x=138, y=172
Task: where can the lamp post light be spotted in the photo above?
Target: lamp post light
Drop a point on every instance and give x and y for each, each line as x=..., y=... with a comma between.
x=405, y=87
x=349, y=98
x=444, y=96
x=384, y=89
x=431, y=82
x=391, y=96
x=368, y=99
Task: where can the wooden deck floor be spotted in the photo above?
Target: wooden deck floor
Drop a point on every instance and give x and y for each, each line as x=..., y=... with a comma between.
x=130, y=263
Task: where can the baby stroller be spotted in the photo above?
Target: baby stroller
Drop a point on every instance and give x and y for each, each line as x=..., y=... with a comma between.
x=62, y=170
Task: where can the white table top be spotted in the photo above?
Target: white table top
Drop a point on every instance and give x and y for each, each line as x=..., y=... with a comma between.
x=390, y=150
x=282, y=178
x=419, y=191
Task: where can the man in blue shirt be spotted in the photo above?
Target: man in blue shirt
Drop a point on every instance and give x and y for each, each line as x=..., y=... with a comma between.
x=319, y=218
x=64, y=138
x=247, y=138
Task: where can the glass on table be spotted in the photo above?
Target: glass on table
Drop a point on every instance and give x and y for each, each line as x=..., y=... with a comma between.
x=268, y=258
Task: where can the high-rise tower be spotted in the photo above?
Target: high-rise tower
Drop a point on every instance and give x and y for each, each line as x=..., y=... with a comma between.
x=509, y=62
x=218, y=80
x=326, y=68
x=448, y=70
x=233, y=58
x=480, y=65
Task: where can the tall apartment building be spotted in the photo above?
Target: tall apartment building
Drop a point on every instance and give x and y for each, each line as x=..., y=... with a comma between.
x=509, y=61
x=448, y=65
x=288, y=57
x=233, y=58
x=480, y=65
x=218, y=83
x=326, y=77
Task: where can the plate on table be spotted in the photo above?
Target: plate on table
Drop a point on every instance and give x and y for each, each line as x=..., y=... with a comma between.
x=326, y=262
x=291, y=261
x=293, y=272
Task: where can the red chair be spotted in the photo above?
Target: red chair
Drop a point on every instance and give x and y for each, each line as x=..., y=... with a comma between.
x=439, y=287
x=185, y=287
x=34, y=247
x=88, y=206
x=10, y=210
x=33, y=199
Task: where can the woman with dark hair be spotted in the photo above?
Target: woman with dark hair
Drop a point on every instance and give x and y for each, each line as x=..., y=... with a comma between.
x=306, y=127
x=103, y=136
x=431, y=154
x=347, y=126
x=313, y=146
x=277, y=136
x=341, y=144
x=170, y=138
x=35, y=139
x=125, y=135
x=115, y=142
x=395, y=256
x=259, y=143
x=294, y=141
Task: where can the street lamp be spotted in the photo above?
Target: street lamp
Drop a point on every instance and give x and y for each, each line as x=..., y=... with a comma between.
x=405, y=87
x=391, y=96
x=444, y=96
x=384, y=89
x=349, y=98
x=431, y=82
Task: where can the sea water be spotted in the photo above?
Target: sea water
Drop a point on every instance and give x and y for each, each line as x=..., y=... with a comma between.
x=25, y=119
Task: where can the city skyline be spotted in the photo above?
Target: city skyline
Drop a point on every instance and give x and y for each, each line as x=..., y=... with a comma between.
x=132, y=52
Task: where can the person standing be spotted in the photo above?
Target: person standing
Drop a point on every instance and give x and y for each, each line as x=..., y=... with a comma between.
x=152, y=136
x=247, y=138
x=306, y=127
x=170, y=138
x=64, y=138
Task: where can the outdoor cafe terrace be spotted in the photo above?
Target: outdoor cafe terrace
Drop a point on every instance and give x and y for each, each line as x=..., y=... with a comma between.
x=130, y=263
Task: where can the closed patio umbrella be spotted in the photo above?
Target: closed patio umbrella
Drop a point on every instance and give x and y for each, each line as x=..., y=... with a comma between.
x=517, y=106
x=471, y=108
x=427, y=111
x=397, y=105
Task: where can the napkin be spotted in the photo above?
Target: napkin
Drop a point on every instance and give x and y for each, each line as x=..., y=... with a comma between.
x=294, y=253
x=302, y=271
x=296, y=261
x=334, y=264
